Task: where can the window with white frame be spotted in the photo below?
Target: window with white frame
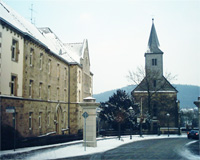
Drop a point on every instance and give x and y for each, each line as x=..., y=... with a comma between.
x=49, y=66
x=58, y=71
x=65, y=94
x=79, y=76
x=65, y=77
x=49, y=92
x=58, y=90
x=64, y=118
x=13, y=85
x=40, y=120
x=41, y=59
x=79, y=95
x=31, y=57
x=14, y=50
x=31, y=88
x=40, y=90
x=48, y=118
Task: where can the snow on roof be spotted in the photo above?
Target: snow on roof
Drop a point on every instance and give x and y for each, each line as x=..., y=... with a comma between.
x=75, y=47
x=43, y=35
x=57, y=46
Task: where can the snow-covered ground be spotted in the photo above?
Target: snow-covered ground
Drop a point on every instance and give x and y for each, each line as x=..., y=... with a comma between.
x=72, y=149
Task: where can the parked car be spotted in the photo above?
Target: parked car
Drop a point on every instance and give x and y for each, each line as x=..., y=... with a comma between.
x=194, y=134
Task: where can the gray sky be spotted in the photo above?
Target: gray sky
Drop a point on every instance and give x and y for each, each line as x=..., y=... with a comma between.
x=118, y=32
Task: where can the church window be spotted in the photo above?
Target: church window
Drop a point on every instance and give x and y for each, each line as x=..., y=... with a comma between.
x=154, y=62
x=155, y=111
x=154, y=83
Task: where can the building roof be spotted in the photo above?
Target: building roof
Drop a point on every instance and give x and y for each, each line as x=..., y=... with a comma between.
x=153, y=44
x=147, y=85
x=44, y=36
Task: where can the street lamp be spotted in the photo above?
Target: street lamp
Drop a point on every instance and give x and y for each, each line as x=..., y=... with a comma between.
x=141, y=118
x=168, y=122
x=179, y=117
x=131, y=114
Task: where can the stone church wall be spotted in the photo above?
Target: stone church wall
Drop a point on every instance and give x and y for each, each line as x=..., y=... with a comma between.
x=161, y=104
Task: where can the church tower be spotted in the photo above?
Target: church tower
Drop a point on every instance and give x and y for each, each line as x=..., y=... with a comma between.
x=153, y=55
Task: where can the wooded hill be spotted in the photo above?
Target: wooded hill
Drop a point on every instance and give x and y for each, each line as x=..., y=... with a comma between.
x=187, y=94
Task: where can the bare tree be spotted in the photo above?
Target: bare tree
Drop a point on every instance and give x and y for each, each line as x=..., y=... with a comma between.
x=151, y=82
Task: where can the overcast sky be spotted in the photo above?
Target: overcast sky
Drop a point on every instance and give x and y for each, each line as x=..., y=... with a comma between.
x=118, y=32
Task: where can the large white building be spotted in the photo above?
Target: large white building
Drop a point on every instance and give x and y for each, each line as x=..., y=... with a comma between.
x=41, y=77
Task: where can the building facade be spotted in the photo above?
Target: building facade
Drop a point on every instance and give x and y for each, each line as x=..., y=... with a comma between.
x=155, y=95
x=42, y=78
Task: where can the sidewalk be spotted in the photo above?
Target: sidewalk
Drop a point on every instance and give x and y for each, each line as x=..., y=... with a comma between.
x=75, y=148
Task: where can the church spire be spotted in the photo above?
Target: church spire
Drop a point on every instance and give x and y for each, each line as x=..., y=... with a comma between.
x=153, y=44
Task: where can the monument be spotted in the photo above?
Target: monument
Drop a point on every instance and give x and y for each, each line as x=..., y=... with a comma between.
x=89, y=106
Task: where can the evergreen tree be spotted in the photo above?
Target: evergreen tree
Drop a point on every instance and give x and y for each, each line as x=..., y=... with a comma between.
x=117, y=110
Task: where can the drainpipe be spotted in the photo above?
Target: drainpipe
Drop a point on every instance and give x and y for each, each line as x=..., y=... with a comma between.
x=69, y=97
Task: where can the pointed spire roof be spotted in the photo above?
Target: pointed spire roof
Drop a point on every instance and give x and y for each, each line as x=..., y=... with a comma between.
x=153, y=44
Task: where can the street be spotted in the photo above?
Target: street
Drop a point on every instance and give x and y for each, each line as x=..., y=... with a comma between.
x=149, y=149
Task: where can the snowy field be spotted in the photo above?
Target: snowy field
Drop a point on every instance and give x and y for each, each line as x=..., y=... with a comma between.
x=72, y=149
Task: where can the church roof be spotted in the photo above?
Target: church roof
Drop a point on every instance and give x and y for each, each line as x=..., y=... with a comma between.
x=162, y=86
x=153, y=44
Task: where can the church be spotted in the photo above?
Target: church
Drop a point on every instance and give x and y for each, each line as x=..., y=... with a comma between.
x=156, y=97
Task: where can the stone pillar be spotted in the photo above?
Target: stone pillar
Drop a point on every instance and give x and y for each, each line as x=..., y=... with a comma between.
x=197, y=103
x=89, y=105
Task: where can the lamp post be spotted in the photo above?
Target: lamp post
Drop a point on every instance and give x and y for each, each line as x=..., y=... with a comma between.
x=168, y=122
x=141, y=118
x=179, y=118
x=98, y=110
x=131, y=114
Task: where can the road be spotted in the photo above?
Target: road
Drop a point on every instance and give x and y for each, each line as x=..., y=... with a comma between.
x=157, y=149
